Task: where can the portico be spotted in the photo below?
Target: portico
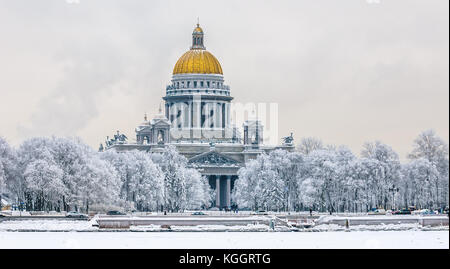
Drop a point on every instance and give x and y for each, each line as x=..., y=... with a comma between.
x=221, y=172
x=223, y=185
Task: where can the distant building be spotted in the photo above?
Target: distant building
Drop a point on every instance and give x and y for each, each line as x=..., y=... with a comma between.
x=196, y=120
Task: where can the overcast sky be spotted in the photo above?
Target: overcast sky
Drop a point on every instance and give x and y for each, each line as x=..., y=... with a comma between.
x=344, y=71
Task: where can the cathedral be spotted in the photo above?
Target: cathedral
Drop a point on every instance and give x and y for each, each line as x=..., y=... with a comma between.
x=196, y=120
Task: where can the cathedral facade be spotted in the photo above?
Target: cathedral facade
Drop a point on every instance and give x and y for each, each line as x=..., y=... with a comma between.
x=196, y=120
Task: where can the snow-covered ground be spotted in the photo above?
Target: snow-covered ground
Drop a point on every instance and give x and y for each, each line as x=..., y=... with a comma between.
x=226, y=240
x=81, y=234
x=64, y=225
x=46, y=225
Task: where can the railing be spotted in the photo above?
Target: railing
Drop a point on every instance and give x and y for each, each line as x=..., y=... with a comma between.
x=223, y=87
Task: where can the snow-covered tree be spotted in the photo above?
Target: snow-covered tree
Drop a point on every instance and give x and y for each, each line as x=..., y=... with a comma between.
x=324, y=172
x=326, y=179
x=2, y=183
x=431, y=147
x=367, y=175
x=390, y=163
x=419, y=178
x=180, y=181
x=309, y=144
x=248, y=188
x=141, y=179
x=8, y=170
x=87, y=178
x=286, y=166
x=199, y=193
x=43, y=180
x=270, y=181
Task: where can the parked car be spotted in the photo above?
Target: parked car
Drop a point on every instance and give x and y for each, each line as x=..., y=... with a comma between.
x=428, y=212
x=198, y=213
x=114, y=213
x=403, y=211
x=378, y=211
x=76, y=215
x=423, y=212
x=260, y=212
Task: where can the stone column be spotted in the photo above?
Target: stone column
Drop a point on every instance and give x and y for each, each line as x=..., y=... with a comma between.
x=218, y=191
x=228, y=191
x=218, y=115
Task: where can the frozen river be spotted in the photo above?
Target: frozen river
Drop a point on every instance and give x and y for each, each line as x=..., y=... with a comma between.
x=226, y=240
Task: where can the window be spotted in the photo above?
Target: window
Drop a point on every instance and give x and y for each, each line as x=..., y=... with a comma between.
x=195, y=84
x=201, y=84
x=207, y=83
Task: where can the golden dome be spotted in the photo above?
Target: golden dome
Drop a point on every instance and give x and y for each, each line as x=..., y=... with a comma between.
x=197, y=61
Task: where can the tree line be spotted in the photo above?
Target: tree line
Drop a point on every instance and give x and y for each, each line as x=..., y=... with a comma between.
x=330, y=178
x=64, y=174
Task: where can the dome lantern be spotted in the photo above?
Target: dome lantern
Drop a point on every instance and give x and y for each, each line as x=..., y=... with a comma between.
x=197, y=38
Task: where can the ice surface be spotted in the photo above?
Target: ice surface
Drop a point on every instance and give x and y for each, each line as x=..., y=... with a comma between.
x=226, y=240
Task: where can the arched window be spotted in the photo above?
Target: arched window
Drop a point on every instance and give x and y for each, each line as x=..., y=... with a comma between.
x=160, y=136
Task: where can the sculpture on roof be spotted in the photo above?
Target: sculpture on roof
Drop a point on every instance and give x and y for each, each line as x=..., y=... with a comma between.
x=118, y=139
x=288, y=139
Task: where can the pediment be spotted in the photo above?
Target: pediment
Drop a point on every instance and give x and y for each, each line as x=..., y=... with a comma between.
x=144, y=129
x=213, y=158
x=160, y=122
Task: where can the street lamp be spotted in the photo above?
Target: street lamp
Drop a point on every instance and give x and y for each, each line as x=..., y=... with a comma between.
x=393, y=189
